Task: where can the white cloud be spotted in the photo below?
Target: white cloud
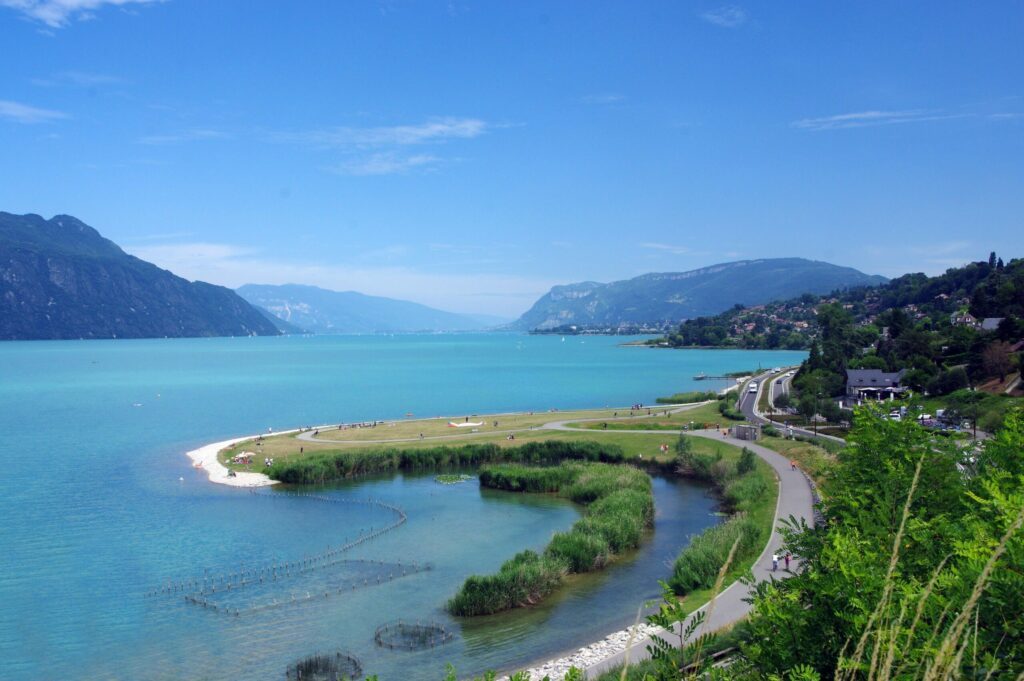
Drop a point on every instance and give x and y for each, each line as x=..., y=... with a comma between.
x=59, y=13
x=863, y=119
x=23, y=113
x=728, y=16
x=433, y=130
x=667, y=248
x=232, y=266
x=193, y=135
x=385, y=164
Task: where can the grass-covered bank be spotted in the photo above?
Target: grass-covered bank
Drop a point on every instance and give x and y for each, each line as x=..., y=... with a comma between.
x=620, y=508
x=749, y=491
x=321, y=467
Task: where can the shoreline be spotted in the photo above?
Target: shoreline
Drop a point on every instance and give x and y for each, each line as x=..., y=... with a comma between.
x=592, y=657
x=205, y=458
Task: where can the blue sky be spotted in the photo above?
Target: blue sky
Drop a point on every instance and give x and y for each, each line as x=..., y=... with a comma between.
x=469, y=155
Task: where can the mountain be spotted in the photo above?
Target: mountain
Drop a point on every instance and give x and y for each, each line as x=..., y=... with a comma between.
x=284, y=327
x=59, y=279
x=674, y=296
x=322, y=311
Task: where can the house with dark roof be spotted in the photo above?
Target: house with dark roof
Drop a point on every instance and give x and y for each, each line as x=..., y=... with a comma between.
x=874, y=383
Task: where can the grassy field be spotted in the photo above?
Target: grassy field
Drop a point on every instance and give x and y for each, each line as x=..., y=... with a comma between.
x=405, y=435
x=702, y=414
x=636, y=445
x=438, y=427
x=814, y=460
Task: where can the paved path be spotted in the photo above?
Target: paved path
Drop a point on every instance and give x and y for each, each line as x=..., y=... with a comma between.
x=730, y=606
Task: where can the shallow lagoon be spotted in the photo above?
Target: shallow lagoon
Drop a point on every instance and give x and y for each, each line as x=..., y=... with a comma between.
x=95, y=513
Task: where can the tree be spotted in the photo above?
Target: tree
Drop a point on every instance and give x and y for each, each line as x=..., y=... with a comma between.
x=894, y=485
x=997, y=359
x=807, y=406
x=948, y=381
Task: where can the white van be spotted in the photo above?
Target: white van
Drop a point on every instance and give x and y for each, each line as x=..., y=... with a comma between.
x=753, y=387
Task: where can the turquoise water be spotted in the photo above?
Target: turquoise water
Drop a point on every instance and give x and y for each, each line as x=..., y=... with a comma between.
x=100, y=506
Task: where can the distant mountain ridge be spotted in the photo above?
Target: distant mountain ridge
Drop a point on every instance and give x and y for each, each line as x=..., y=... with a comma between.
x=60, y=279
x=324, y=311
x=675, y=296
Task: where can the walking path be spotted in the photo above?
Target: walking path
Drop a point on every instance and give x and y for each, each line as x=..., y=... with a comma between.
x=794, y=500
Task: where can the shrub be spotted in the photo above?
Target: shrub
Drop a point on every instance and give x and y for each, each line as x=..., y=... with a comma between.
x=746, y=462
x=687, y=398
x=726, y=410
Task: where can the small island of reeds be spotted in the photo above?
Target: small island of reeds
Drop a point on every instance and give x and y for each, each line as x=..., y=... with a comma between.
x=619, y=510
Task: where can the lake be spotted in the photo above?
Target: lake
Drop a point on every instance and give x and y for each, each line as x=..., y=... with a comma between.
x=100, y=505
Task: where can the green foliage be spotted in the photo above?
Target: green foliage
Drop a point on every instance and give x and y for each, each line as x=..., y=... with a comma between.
x=948, y=381
x=747, y=461
x=620, y=509
x=687, y=398
x=340, y=464
x=917, y=573
x=698, y=564
x=522, y=580
x=726, y=409
x=693, y=464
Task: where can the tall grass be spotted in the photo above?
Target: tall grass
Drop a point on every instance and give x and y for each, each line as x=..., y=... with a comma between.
x=620, y=508
x=745, y=488
x=687, y=398
x=332, y=465
x=699, y=563
x=522, y=580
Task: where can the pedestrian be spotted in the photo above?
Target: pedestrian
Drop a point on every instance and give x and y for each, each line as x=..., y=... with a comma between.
x=775, y=562
x=792, y=464
x=301, y=450
x=789, y=556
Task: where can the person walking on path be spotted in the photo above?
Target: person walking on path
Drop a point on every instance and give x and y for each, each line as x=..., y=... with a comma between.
x=792, y=464
x=789, y=556
x=775, y=562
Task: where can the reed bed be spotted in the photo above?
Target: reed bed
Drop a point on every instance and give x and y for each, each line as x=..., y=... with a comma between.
x=338, y=465
x=620, y=508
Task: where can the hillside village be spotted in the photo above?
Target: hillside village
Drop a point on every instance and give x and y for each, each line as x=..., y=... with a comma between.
x=947, y=337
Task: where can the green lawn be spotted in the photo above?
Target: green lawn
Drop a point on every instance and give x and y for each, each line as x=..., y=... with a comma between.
x=814, y=460
x=701, y=415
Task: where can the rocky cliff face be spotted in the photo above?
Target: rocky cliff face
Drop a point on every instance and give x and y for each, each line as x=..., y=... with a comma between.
x=60, y=279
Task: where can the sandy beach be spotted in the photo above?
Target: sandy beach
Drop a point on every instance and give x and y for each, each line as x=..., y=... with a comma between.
x=205, y=458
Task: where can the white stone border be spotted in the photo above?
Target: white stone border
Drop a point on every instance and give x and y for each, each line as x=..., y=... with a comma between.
x=593, y=653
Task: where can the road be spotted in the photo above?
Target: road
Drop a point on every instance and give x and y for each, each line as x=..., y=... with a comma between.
x=748, y=405
x=795, y=500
